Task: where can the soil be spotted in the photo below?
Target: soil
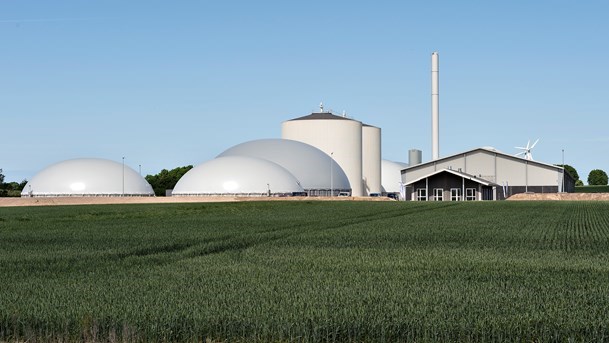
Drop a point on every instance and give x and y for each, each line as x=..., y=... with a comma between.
x=561, y=196
x=59, y=201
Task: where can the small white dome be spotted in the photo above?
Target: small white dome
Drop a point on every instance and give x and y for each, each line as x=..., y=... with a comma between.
x=307, y=163
x=391, y=175
x=87, y=177
x=237, y=175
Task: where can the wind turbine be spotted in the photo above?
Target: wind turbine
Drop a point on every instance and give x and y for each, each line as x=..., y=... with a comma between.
x=526, y=152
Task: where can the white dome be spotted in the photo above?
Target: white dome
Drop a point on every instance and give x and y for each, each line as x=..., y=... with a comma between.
x=237, y=175
x=308, y=164
x=87, y=177
x=391, y=175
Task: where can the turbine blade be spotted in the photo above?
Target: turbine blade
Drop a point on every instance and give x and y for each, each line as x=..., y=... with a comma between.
x=535, y=143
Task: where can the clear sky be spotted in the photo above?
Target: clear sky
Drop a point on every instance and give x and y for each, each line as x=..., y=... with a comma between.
x=172, y=83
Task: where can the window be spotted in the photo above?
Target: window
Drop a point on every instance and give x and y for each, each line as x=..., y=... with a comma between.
x=421, y=194
x=455, y=194
x=470, y=194
x=438, y=194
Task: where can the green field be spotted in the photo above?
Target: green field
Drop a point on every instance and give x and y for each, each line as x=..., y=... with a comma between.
x=306, y=271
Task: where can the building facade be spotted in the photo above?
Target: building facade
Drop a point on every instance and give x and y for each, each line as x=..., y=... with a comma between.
x=482, y=174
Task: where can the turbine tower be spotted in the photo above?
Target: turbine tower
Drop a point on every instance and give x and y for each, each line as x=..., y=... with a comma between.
x=435, y=106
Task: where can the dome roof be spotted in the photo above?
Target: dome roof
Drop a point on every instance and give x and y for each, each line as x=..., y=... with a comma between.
x=391, y=175
x=87, y=177
x=237, y=175
x=307, y=163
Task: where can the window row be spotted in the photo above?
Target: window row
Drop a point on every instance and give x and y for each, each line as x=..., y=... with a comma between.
x=456, y=194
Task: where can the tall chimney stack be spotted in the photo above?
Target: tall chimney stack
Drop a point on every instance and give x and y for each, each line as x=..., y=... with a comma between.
x=435, y=106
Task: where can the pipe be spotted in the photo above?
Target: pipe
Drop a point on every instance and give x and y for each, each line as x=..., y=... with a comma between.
x=435, y=106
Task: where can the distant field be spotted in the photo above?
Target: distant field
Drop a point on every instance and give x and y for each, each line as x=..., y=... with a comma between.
x=306, y=271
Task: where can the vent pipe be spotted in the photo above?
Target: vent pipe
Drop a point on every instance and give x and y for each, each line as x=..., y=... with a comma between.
x=435, y=106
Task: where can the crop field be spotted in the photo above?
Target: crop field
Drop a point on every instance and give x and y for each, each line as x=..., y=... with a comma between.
x=306, y=272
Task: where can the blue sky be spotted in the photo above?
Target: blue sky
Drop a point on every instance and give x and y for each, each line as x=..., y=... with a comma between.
x=172, y=83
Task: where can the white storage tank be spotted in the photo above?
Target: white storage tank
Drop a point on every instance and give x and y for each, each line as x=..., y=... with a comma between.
x=371, y=159
x=238, y=176
x=414, y=157
x=87, y=177
x=317, y=173
x=392, y=176
x=337, y=136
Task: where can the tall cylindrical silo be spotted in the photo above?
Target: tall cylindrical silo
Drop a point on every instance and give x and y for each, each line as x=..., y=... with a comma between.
x=339, y=137
x=371, y=159
x=435, y=106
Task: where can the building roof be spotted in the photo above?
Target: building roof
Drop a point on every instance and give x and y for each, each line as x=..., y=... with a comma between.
x=458, y=173
x=322, y=116
x=484, y=149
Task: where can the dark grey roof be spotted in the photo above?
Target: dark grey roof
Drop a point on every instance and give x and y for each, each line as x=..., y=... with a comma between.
x=458, y=173
x=321, y=116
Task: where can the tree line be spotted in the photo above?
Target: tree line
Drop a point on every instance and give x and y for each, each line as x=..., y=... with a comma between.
x=596, y=177
x=166, y=179
x=10, y=189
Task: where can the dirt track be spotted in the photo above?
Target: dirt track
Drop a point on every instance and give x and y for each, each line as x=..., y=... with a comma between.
x=59, y=201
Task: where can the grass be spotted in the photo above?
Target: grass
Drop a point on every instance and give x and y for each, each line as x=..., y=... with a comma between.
x=306, y=271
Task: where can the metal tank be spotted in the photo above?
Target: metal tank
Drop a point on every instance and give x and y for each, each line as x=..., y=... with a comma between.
x=337, y=136
x=239, y=176
x=371, y=159
x=414, y=157
x=392, y=175
x=317, y=173
x=87, y=177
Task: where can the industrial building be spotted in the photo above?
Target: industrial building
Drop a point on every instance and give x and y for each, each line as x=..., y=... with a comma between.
x=87, y=177
x=482, y=174
x=323, y=154
x=355, y=146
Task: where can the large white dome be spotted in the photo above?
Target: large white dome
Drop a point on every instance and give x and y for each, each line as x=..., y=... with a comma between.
x=239, y=175
x=311, y=166
x=87, y=177
x=391, y=175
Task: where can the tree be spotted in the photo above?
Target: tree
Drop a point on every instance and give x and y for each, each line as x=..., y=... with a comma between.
x=166, y=179
x=597, y=177
x=571, y=171
x=579, y=183
x=2, y=190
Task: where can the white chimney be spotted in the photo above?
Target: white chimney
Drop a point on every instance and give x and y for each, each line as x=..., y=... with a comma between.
x=435, y=106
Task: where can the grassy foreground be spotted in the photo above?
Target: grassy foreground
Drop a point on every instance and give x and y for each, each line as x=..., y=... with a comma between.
x=306, y=271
